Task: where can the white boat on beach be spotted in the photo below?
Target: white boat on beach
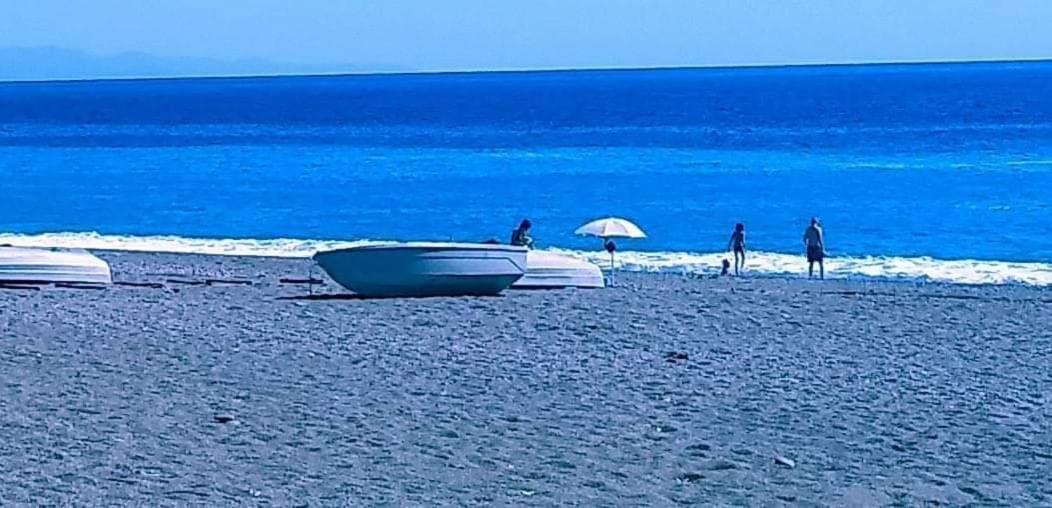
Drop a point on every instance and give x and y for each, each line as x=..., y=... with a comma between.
x=425, y=268
x=548, y=270
x=37, y=266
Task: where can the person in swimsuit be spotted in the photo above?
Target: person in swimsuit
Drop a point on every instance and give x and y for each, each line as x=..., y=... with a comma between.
x=737, y=244
x=815, y=243
x=521, y=235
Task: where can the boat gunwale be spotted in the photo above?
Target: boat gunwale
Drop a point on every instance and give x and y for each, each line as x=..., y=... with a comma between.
x=428, y=247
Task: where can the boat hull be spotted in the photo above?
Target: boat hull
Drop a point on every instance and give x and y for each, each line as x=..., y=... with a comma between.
x=425, y=269
x=29, y=265
x=547, y=270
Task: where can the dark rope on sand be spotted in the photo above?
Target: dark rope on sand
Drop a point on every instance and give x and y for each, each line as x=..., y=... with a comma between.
x=301, y=281
x=79, y=285
x=209, y=282
x=24, y=287
x=185, y=281
x=152, y=285
x=241, y=282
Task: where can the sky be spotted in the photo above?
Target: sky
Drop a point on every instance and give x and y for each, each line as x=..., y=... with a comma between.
x=436, y=35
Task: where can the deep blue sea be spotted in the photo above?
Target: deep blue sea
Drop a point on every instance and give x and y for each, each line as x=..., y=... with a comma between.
x=917, y=171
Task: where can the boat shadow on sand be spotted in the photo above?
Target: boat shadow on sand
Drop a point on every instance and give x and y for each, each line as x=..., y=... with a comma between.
x=353, y=296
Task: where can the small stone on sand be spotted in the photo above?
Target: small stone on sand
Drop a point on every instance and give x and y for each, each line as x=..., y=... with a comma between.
x=690, y=477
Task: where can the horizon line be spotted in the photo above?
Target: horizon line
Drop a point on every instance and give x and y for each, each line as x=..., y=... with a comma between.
x=538, y=70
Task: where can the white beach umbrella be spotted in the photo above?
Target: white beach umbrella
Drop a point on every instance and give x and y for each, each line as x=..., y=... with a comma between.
x=611, y=227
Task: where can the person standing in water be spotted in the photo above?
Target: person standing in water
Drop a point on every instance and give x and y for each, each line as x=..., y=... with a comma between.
x=815, y=243
x=737, y=244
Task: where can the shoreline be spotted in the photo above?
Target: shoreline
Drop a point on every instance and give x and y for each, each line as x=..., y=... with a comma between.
x=762, y=264
x=266, y=270
x=709, y=273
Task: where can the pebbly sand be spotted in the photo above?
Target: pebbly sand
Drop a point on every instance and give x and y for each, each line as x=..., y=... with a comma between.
x=792, y=392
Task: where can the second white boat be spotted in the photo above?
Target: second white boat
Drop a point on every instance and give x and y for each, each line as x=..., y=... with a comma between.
x=548, y=270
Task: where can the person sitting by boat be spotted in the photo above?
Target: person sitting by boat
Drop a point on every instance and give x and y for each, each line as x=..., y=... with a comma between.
x=521, y=235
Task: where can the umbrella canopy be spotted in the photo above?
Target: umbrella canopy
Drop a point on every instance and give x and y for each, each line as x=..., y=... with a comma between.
x=611, y=227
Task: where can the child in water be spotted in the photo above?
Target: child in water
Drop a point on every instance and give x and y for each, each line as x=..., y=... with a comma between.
x=737, y=244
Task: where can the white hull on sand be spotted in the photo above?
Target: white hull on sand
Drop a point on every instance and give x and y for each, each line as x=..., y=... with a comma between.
x=425, y=269
x=27, y=265
x=547, y=270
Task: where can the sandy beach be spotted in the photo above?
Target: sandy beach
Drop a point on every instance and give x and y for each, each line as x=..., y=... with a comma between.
x=778, y=391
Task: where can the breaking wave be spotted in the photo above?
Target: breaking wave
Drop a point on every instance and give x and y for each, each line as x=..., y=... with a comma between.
x=762, y=263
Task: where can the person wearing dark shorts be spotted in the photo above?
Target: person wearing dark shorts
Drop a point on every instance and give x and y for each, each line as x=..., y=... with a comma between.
x=814, y=241
x=737, y=244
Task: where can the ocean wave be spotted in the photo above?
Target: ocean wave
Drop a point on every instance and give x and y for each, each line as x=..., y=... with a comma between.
x=724, y=133
x=1029, y=163
x=964, y=271
x=275, y=247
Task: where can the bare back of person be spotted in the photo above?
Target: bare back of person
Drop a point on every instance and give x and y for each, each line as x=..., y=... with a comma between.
x=814, y=241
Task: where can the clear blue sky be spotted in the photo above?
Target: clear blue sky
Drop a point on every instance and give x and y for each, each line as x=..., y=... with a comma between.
x=506, y=34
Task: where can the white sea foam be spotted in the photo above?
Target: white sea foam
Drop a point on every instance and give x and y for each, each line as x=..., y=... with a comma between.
x=276, y=247
x=966, y=271
x=762, y=263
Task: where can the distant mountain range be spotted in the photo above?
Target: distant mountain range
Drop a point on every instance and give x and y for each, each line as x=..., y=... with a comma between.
x=49, y=63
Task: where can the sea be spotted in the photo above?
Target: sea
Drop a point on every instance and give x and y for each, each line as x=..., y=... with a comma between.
x=922, y=172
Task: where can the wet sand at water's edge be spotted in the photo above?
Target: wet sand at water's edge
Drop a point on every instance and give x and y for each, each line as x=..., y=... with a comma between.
x=663, y=390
